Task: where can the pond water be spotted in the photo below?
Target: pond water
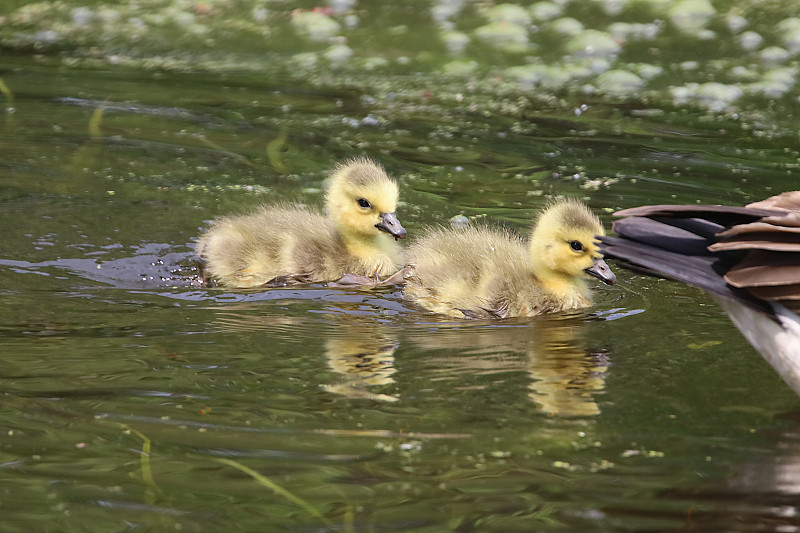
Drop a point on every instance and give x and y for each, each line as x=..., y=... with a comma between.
x=135, y=400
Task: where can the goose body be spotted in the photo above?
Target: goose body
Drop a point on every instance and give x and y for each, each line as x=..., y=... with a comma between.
x=279, y=245
x=483, y=272
x=748, y=258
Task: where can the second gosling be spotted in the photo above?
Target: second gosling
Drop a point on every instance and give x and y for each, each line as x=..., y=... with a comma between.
x=482, y=272
x=289, y=244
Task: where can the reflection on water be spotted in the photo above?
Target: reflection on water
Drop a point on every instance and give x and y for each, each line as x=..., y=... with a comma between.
x=563, y=375
x=381, y=417
x=773, y=474
x=364, y=357
x=566, y=376
x=369, y=410
x=760, y=494
x=360, y=346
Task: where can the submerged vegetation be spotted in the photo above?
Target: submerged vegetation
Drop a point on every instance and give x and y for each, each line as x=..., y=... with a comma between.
x=717, y=56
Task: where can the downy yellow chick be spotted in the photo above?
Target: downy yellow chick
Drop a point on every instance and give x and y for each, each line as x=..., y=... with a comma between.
x=486, y=272
x=289, y=244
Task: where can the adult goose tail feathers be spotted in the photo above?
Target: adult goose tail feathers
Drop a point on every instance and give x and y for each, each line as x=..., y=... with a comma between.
x=747, y=257
x=750, y=254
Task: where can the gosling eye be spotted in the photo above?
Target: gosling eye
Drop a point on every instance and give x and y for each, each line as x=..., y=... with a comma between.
x=362, y=202
x=576, y=246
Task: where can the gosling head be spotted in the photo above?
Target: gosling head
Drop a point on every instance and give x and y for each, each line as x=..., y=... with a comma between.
x=362, y=199
x=564, y=245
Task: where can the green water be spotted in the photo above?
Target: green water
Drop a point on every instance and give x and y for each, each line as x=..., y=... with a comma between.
x=133, y=400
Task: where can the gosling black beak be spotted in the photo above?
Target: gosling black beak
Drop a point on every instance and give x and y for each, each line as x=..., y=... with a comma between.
x=391, y=225
x=600, y=270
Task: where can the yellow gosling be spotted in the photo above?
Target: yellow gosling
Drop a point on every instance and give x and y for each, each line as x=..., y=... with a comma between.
x=481, y=272
x=289, y=244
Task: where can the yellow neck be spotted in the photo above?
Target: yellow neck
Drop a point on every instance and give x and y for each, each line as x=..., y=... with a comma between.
x=375, y=251
x=563, y=287
x=558, y=284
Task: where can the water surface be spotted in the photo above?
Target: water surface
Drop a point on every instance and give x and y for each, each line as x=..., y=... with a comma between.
x=136, y=400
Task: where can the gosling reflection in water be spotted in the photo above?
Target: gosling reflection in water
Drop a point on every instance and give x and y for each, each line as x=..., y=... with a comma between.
x=364, y=357
x=361, y=354
x=564, y=375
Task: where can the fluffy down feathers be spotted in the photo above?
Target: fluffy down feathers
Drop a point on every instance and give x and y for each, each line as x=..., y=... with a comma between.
x=289, y=244
x=490, y=272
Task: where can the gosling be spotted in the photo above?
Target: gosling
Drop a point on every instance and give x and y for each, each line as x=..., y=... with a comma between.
x=283, y=245
x=482, y=272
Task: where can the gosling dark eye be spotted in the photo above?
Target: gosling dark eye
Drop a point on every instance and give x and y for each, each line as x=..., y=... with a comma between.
x=576, y=246
x=363, y=203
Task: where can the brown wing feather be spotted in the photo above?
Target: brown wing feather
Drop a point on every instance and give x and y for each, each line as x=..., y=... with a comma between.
x=766, y=240
x=762, y=268
x=757, y=227
x=750, y=254
x=723, y=214
x=789, y=200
